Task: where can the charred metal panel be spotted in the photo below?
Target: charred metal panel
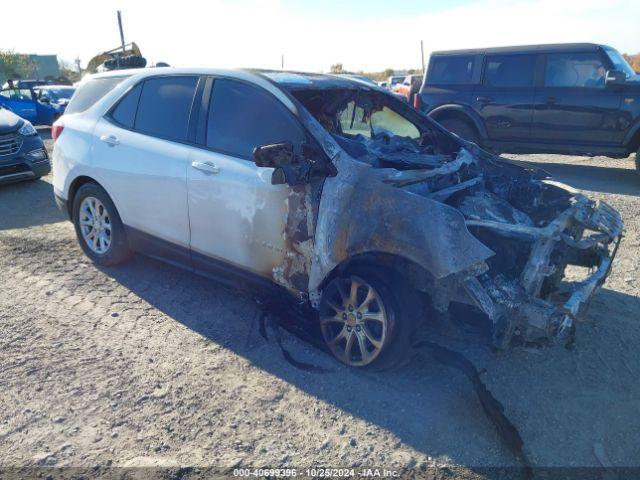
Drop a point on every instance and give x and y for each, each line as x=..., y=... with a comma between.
x=298, y=234
x=490, y=232
x=360, y=213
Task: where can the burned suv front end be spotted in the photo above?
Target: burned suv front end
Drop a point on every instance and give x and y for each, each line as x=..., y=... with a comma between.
x=553, y=249
x=467, y=226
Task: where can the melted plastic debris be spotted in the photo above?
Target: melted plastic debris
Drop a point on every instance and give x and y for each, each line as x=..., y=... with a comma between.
x=492, y=408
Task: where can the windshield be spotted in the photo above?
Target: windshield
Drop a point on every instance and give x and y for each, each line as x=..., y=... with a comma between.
x=364, y=79
x=376, y=128
x=619, y=63
x=354, y=120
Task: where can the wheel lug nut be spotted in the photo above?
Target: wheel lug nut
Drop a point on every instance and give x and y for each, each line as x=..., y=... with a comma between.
x=351, y=308
x=358, y=328
x=348, y=329
x=344, y=316
x=359, y=315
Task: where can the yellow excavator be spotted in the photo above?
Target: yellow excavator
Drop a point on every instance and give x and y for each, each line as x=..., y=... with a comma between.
x=127, y=56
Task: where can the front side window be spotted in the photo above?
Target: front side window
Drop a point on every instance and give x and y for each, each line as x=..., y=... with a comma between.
x=619, y=62
x=510, y=70
x=243, y=117
x=17, y=94
x=582, y=70
x=453, y=69
x=165, y=106
x=355, y=121
x=25, y=94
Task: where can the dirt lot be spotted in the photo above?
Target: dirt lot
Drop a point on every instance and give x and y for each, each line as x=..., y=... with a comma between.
x=148, y=365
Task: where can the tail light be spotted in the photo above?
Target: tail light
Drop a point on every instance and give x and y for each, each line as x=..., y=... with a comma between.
x=416, y=101
x=56, y=130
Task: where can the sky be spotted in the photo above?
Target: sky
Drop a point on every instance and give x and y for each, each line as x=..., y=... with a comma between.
x=363, y=35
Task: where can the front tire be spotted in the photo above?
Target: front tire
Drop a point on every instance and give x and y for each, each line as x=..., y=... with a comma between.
x=98, y=226
x=638, y=161
x=367, y=318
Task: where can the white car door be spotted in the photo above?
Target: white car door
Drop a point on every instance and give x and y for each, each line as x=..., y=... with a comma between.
x=141, y=160
x=236, y=215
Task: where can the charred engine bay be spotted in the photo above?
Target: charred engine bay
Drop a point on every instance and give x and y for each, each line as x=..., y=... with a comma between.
x=514, y=214
x=534, y=227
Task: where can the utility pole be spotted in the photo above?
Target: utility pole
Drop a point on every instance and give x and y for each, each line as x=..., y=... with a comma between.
x=282, y=62
x=422, y=54
x=121, y=32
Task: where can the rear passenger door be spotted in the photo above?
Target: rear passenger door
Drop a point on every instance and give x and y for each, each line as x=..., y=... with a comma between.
x=505, y=98
x=574, y=106
x=141, y=153
x=236, y=215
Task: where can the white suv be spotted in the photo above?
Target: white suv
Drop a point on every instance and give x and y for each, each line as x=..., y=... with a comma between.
x=331, y=190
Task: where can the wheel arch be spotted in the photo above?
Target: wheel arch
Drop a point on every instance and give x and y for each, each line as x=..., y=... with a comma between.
x=632, y=140
x=74, y=187
x=459, y=112
x=418, y=276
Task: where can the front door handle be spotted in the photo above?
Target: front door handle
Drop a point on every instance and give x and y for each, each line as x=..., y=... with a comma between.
x=484, y=99
x=206, y=167
x=110, y=140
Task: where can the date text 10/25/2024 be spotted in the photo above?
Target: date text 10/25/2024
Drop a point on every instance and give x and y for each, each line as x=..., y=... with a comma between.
x=316, y=472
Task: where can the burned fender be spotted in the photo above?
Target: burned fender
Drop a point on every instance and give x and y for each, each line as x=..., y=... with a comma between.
x=360, y=213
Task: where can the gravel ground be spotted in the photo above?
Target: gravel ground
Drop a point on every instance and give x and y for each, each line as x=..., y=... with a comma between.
x=147, y=365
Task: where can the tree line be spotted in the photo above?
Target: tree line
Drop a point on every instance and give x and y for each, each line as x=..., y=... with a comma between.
x=376, y=76
x=18, y=65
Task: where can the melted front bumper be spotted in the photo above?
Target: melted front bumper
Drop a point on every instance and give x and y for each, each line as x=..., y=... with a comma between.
x=587, y=234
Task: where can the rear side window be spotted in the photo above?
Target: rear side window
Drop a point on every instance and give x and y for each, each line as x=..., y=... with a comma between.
x=90, y=92
x=125, y=111
x=165, y=106
x=453, y=69
x=242, y=117
x=510, y=70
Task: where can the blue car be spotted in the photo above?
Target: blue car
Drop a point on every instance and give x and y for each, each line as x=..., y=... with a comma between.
x=23, y=101
x=55, y=94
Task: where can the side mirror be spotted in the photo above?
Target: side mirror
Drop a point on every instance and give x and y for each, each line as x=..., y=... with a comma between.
x=45, y=100
x=615, y=77
x=292, y=169
x=274, y=155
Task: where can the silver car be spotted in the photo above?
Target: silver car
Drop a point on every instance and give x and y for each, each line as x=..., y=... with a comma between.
x=333, y=192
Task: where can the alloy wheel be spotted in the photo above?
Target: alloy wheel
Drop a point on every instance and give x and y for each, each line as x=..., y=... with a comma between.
x=353, y=320
x=95, y=225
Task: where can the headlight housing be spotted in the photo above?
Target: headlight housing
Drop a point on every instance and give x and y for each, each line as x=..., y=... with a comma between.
x=27, y=129
x=37, y=155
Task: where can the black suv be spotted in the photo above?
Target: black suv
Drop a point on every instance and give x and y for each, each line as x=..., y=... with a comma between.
x=578, y=98
x=22, y=153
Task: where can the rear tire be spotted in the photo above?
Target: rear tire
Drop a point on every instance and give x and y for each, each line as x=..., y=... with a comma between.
x=638, y=161
x=463, y=129
x=372, y=326
x=98, y=226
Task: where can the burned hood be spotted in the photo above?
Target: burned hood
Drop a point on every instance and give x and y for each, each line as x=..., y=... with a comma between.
x=361, y=213
x=489, y=232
